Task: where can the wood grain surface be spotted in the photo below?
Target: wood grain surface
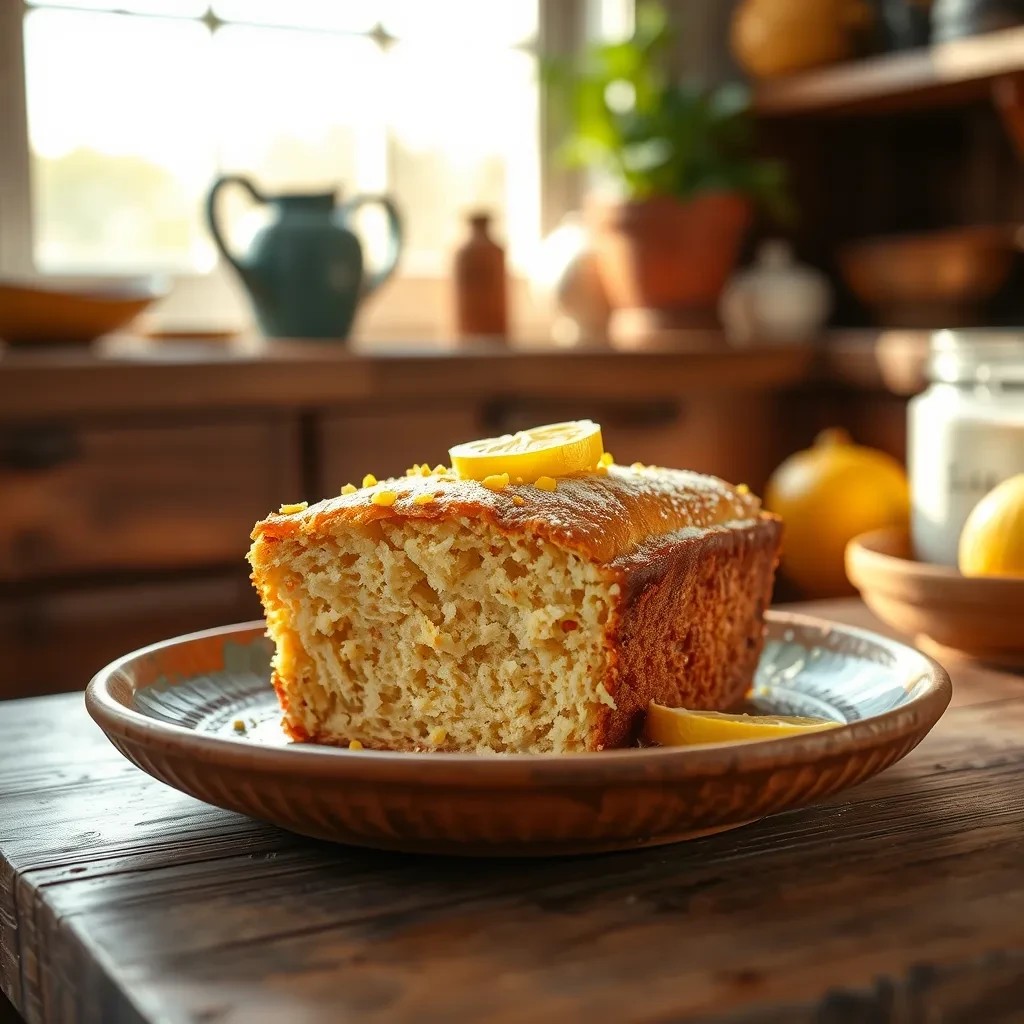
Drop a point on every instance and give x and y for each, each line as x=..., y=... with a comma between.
x=164, y=494
x=143, y=376
x=900, y=901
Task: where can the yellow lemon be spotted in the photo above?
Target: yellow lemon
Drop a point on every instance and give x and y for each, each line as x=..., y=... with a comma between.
x=826, y=495
x=558, y=449
x=992, y=540
x=677, y=727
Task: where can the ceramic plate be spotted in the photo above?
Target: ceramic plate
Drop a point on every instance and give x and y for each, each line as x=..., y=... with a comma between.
x=942, y=610
x=171, y=709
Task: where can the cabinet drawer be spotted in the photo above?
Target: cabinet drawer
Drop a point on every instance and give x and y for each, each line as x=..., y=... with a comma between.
x=57, y=640
x=91, y=498
x=387, y=441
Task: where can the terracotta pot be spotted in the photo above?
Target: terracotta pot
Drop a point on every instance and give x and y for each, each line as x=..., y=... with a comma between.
x=663, y=254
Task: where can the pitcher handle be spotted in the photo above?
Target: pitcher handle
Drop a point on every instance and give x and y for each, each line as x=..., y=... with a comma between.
x=211, y=214
x=373, y=281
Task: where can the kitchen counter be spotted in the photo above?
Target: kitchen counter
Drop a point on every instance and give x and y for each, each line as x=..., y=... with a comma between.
x=122, y=900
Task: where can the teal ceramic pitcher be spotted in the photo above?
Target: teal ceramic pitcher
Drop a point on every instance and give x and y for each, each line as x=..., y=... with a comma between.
x=304, y=272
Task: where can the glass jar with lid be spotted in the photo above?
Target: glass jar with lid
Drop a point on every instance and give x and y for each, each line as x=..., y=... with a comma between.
x=965, y=433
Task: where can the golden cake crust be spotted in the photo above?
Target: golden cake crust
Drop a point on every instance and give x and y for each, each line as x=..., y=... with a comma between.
x=603, y=517
x=689, y=625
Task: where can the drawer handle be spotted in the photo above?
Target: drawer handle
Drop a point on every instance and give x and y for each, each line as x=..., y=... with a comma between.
x=38, y=448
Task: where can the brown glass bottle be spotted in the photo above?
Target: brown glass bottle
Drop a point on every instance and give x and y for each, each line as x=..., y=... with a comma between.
x=481, y=299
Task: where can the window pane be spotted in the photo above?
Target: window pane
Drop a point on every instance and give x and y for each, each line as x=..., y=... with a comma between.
x=343, y=15
x=464, y=135
x=299, y=110
x=121, y=139
x=610, y=19
x=463, y=24
x=175, y=8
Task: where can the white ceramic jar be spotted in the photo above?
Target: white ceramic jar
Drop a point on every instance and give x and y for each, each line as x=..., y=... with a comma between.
x=777, y=300
x=965, y=433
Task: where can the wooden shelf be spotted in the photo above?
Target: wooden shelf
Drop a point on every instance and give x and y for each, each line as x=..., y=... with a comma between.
x=134, y=375
x=945, y=74
x=143, y=376
x=892, y=361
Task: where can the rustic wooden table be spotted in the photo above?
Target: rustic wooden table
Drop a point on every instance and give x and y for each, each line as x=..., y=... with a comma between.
x=901, y=900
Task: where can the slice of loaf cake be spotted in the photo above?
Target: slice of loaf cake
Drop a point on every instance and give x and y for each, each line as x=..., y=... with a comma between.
x=431, y=612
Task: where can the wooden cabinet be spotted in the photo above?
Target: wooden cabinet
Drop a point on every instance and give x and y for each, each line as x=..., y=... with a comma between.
x=57, y=638
x=117, y=534
x=386, y=440
x=128, y=491
x=82, y=498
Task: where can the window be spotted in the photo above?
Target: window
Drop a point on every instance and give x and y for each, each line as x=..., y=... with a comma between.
x=131, y=107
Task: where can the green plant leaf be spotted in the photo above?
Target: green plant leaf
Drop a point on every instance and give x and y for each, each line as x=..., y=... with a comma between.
x=656, y=136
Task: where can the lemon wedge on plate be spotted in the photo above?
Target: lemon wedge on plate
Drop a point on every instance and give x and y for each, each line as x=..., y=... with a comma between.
x=677, y=727
x=558, y=449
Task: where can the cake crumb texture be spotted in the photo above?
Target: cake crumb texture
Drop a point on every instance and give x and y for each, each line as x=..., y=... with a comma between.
x=447, y=635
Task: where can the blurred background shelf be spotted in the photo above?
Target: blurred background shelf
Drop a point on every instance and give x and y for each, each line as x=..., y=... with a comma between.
x=133, y=470
x=136, y=375
x=950, y=73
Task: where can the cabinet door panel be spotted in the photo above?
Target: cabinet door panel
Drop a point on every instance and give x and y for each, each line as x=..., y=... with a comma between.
x=57, y=640
x=385, y=442
x=96, y=498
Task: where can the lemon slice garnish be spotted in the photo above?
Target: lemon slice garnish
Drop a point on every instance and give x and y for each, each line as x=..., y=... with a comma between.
x=558, y=449
x=677, y=727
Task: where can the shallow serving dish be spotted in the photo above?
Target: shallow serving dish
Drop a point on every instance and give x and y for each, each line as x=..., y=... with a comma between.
x=172, y=708
x=71, y=310
x=933, y=279
x=979, y=616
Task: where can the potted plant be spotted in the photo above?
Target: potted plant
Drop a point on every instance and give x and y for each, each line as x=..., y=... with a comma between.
x=682, y=158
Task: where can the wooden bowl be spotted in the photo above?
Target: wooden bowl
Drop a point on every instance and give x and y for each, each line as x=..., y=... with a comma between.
x=61, y=311
x=937, y=279
x=979, y=616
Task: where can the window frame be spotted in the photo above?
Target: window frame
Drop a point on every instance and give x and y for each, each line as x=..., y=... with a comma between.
x=414, y=306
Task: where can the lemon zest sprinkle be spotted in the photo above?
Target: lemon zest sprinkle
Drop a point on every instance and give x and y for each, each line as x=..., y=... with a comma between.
x=495, y=482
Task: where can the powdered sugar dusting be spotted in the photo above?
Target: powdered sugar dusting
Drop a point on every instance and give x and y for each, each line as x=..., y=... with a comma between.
x=608, y=515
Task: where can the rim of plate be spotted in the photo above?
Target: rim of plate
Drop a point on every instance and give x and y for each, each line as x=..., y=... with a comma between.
x=621, y=766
